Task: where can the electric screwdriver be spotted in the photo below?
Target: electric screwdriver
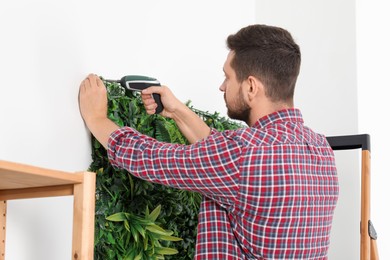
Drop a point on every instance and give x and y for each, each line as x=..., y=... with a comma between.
x=139, y=83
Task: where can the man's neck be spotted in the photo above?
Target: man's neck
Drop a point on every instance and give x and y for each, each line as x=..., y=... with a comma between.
x=261, y=111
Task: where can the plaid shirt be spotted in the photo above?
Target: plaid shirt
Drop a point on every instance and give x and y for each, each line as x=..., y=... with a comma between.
x=269, y=190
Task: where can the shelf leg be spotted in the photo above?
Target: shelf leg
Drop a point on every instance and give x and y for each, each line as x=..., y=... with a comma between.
x=84, y=218
x=3, y=218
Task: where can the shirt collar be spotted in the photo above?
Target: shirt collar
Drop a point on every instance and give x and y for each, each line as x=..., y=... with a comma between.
x=290, y=114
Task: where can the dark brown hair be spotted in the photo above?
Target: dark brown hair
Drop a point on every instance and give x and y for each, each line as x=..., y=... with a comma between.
x=270, y=54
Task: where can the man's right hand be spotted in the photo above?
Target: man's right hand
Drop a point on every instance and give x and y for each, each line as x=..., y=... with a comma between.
x=169, y=101
x=189, y=123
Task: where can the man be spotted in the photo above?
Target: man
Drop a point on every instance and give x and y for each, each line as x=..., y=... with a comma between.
x=270, y=189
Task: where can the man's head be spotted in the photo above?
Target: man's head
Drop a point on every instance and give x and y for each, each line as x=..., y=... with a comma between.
x=266, y=54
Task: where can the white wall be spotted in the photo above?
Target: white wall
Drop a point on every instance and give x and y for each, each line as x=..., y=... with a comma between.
x=48, y=47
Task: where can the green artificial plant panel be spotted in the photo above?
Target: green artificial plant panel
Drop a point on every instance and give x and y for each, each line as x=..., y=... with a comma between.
x=136, y=219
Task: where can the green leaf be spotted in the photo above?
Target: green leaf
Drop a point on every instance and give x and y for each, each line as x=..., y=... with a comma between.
x=146, y=240
x=165, y=251
x=170, y=238
x=131, y=186
x=138, y=257
x=135, y=234
x=162, y=133
x=126, y=224
x=158, y=230
x=117, y=217
x=155, y=213
x=96, y=144
x=110, y=238
x=139, y=229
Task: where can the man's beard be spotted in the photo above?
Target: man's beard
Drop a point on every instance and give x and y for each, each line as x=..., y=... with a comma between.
x=239, y=110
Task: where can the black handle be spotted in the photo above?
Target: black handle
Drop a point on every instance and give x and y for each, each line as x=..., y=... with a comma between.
x=160, y=107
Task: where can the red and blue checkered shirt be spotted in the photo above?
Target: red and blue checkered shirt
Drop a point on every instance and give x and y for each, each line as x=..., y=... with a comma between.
x=269, y=190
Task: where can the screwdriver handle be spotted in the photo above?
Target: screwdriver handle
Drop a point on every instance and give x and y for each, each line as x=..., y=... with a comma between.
x=157, y=99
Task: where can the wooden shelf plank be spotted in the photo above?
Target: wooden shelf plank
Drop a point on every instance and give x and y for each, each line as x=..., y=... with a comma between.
x=37, y=192
x=18, y=176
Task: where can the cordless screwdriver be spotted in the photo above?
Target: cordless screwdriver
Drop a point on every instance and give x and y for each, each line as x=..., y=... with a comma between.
x=139, y=83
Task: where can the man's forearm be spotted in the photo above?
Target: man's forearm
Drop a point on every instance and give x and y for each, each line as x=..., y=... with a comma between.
x=190, y=124
x=102, y=129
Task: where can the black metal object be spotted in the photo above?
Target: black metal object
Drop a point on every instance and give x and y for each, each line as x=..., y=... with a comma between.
x=347, y=142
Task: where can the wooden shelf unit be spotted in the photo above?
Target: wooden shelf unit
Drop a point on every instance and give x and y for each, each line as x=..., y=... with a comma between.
x=20, y=181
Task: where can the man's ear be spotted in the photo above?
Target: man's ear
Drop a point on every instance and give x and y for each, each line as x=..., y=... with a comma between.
x=254, y=88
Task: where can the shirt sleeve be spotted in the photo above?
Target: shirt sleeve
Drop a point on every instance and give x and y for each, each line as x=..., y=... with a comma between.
x=210, y=166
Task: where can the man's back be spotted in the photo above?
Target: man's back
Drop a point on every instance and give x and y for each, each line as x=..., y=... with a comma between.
x=288, y=190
